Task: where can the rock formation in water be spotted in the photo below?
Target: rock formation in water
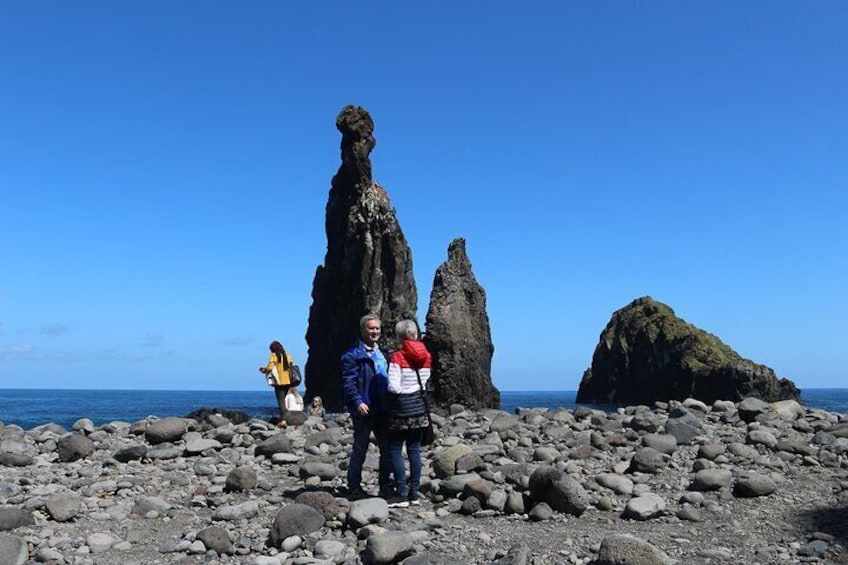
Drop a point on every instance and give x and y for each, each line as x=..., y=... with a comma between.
x=368, y=265
x=646, y=353
x=458, y=335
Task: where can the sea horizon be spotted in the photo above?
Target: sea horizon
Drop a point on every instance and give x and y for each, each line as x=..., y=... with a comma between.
x=31, y=407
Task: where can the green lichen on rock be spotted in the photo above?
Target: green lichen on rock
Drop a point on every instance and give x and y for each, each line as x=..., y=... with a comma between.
x=647, y=353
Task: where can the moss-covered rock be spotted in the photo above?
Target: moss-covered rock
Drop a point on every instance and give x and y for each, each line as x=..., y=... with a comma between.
x=647, y=353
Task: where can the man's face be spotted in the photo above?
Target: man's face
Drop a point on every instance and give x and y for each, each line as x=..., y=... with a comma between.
x=371, y=333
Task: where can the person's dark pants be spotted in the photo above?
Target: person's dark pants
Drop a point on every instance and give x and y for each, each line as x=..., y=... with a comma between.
x=362, y=428
x=280, y=392
x=412, y=438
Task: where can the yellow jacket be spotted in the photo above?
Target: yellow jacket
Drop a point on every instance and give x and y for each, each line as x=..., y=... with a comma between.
x=282, y=374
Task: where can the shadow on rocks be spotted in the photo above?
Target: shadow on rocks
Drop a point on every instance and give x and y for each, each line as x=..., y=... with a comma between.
x=832, y=521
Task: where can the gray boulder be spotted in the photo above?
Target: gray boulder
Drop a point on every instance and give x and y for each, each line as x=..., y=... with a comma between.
x=684, y=428
x=456, y=484
x=367, y=511
x=12, y=517
x=145, y=504
x=242, y=478
x=645, y=507
x=168, y=429
x=277, y=443
x=647, y=460
x=753, y=485
x=10, y=459
x=216, y=538
x=750, y=408
x=323, y=502
x=64, y=506
x=388, y=547
x=664, y=443
x=74, y=446
x=560, y=491
x=129, y=453
x=324, y=471
x=235, y=512
x=295, y=520
x=13, y=550
x=624, y=549
x=444, y=461
x=711, y=479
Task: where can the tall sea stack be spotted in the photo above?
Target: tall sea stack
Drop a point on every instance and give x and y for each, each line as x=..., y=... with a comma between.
x=646, y=353
x=458, y=335
x=367, y=268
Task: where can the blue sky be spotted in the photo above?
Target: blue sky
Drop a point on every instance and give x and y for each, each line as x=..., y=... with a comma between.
x=164, y=169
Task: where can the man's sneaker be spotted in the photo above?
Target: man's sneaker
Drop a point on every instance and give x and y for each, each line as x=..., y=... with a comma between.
x=398, y=501
x=415, y=499
x=357, y=494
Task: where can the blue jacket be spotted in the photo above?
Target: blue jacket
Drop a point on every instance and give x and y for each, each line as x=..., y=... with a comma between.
x=362, y=383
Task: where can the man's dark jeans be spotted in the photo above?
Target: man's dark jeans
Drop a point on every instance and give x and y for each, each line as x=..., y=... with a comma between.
x=362, y=428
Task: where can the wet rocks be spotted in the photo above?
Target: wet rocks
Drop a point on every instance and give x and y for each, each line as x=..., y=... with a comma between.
x=459, y=336
x=646, y=353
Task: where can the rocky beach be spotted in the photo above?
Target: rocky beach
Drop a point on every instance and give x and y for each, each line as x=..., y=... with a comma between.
x=678, y=482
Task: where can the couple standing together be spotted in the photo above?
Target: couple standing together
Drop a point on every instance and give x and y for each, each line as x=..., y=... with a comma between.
x=387, y=398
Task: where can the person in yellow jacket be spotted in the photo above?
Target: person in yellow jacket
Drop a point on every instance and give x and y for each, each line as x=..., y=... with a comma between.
x=277, y=372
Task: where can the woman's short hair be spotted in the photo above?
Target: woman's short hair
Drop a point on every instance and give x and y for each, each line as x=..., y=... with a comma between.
x=406, y=329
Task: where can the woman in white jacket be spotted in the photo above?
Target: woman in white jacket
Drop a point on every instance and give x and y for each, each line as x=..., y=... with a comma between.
x=294, y=401
x=409, y=371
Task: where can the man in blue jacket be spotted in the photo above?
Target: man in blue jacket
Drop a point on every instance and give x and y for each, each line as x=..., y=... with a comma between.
x=365, y=384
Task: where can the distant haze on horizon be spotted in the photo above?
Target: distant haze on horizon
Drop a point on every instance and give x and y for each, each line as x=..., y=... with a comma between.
x=164, y=171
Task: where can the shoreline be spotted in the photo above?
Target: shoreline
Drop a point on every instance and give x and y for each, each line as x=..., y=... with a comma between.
x=33, y=407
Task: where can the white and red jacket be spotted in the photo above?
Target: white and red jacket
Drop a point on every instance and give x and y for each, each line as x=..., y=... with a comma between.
x=402, y=366
x=408, y=398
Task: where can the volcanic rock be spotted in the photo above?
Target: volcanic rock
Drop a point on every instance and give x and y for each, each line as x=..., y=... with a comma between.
x=646, y=353
x=458, y=335
x=367, y=268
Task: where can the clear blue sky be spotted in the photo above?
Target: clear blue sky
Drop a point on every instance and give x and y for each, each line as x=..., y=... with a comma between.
x=164, y=168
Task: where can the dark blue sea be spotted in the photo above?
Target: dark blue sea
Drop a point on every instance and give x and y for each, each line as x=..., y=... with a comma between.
x=31, y=407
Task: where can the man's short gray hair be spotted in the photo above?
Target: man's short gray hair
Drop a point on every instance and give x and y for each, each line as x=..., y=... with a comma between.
x=406, y=329
x=363, y=321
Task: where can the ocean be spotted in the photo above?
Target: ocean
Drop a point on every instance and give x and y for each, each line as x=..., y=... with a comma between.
x=31, y=407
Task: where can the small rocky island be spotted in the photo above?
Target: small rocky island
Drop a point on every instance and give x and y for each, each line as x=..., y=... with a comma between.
x=678, y=482
x=647, y=353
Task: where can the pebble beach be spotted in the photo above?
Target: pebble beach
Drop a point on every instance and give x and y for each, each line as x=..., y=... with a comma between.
x=674, y=482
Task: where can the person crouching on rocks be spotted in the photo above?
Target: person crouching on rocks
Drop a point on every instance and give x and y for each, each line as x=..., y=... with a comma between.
x=317, y=409
x=409, y=371
x=364, y=382
x=277, y=373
